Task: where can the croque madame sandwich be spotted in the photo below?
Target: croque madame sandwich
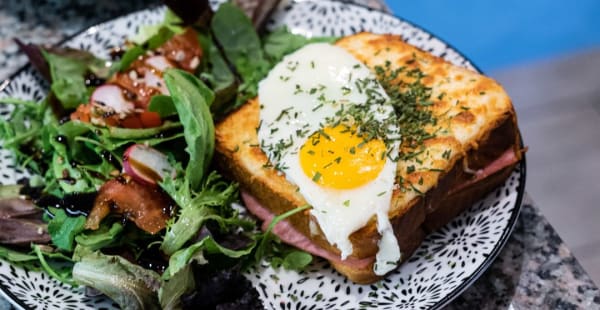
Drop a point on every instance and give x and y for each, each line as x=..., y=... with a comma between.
x=383, y=141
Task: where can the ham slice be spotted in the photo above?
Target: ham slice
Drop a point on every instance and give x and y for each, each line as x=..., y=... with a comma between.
x=290, y=235
x=508, y=157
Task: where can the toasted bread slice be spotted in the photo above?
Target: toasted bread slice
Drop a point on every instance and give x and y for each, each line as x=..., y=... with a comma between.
x=475, y=124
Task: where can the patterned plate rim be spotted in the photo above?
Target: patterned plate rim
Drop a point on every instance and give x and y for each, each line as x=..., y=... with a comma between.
x=460, y=288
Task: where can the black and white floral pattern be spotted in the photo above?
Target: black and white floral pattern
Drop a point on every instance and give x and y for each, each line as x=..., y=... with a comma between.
x=447, y=261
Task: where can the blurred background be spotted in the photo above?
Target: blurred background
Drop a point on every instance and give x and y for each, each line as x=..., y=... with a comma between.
x=547, y=56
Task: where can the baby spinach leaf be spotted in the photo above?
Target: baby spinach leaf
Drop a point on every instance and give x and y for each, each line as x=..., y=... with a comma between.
x=192, y=100
x=240, y=42
x=296, y=260
x=218, y=75
x=242, y=47
x=282, y=42
x=163, y=105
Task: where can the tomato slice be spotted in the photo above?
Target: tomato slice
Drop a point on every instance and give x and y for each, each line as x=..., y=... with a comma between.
x=147, y=206
x=150, y=119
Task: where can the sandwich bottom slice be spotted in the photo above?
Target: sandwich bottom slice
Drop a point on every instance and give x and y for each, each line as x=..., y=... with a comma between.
x=469, y=146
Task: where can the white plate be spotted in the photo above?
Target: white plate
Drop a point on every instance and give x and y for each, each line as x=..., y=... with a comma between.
x=448, y=261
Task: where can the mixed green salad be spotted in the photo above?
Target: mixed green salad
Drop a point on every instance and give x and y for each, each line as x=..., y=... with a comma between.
x=123, y=196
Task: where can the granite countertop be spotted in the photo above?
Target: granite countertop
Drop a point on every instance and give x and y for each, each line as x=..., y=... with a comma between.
x=534, y=270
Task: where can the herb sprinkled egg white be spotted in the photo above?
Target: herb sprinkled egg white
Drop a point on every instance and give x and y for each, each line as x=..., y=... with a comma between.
x=326, y=123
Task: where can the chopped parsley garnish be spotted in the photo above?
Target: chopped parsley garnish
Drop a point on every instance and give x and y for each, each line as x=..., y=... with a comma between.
x=316, y=177
x=446, y=154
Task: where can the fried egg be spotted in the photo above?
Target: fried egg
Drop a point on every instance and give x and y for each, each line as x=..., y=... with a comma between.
x=326, y=123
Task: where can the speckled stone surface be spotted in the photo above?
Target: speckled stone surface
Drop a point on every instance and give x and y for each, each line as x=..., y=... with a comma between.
x=535, y=270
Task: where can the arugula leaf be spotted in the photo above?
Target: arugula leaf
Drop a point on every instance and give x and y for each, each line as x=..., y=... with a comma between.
x=24, y=130
x=267, y=237
x=192, y=100
x=70, y=179
x=63, y=229
x=68, y=82
x=60, y=271
x=16, y=256
x=129, y=285
x=57, y=265
x=282, y=42
x=100, y=238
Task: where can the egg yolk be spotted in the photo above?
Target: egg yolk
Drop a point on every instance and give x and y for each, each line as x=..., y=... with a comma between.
x=336, y=157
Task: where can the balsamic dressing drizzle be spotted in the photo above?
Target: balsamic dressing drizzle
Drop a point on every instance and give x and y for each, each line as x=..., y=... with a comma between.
x=74, y=204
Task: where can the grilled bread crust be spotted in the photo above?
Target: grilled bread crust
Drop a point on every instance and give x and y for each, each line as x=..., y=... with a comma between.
x=475, y=124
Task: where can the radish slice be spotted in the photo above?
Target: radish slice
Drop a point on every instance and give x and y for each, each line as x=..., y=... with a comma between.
x=151, y=79
x=111, y=96
x=160, y=63
x=146, y=164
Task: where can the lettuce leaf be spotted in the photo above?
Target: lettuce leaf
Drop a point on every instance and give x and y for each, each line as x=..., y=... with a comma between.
x=212, y=202
x=68, y=83
x=178, y=285
x=182, y=258
x=170, y=22
x=129, y=285
x=151, y=37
